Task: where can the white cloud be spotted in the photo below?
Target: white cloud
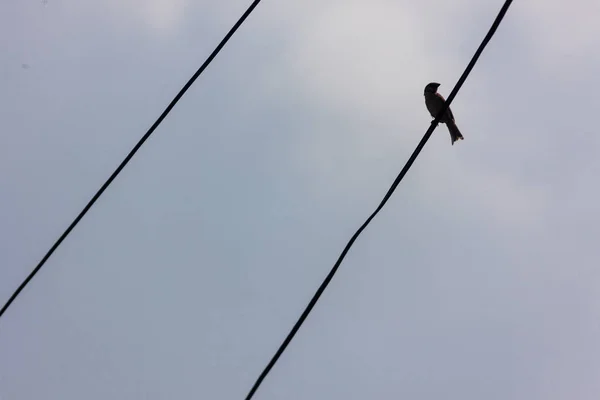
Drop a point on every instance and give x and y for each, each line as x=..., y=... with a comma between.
x=162, y=15
x=356, y=57
x=157, y=17
x=363, y=63
x=560, y=35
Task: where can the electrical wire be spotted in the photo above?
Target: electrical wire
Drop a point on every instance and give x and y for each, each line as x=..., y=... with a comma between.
x=131, y=154
x=387, y=196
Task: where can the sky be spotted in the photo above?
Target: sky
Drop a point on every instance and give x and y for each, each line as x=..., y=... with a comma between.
x=478, y=280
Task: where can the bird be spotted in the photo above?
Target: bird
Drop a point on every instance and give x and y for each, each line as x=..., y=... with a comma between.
x=434, y=102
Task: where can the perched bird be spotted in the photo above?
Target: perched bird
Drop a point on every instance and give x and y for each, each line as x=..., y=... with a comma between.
x=434, y=102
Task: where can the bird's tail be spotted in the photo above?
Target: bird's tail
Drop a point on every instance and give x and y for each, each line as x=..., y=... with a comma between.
x=454, y=132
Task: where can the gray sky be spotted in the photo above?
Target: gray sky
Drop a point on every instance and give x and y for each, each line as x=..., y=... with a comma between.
x=479, y=280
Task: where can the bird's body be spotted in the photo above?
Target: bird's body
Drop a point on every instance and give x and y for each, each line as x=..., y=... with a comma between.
x=434, y=102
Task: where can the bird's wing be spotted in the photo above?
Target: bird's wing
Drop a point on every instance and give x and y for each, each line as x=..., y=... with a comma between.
x=450, y=114
x=449, y=111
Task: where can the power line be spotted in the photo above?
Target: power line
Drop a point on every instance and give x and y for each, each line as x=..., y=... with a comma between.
x=387, y=196
x=131, y=154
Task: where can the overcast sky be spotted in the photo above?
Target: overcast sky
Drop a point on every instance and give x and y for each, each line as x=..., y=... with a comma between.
x=479, y=280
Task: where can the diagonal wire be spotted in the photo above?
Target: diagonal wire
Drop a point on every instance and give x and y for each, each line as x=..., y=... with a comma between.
x=131, y=154
x=387, y=196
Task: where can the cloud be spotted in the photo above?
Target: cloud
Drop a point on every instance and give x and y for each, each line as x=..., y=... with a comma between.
x=157, y=17
x=560, y=35
x=162, y=15
x=361, y=68
x=351, y=57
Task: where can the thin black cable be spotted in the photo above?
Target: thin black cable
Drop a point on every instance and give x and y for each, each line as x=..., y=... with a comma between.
x=131, y=154
x=387, y=196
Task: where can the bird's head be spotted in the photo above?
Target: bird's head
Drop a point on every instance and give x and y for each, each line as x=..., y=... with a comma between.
x=432, y=87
